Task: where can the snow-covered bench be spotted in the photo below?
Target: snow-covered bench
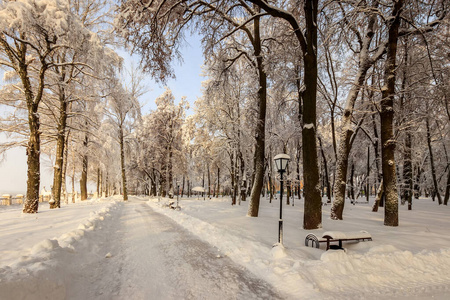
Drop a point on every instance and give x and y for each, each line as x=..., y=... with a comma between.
x=336, y=236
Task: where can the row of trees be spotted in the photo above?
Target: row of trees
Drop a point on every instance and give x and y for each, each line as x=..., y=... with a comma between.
x=62, y=92
x=368, y=68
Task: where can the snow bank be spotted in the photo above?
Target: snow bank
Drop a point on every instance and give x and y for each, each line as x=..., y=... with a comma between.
x=40, y=272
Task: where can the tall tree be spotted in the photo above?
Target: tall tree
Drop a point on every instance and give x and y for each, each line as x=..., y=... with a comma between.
x=122, y=105
x=365, y=61
x=387, y=120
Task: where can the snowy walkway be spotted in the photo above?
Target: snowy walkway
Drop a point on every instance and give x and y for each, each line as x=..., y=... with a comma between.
x=154, y=258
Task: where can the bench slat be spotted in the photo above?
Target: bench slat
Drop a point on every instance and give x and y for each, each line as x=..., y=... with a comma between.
x=339, y=235
x=336, y=236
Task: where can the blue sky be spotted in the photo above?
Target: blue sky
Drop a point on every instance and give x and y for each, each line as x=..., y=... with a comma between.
x=188, y=76
x=187, y=83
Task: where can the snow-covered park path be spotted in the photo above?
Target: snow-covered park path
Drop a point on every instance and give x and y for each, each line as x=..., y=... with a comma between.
x=152, y=257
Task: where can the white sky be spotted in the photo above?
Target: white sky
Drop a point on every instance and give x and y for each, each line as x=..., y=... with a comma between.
x=13, y=168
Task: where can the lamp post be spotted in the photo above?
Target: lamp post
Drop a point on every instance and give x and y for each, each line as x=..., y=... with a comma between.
x=178, y=192
x=281, y=161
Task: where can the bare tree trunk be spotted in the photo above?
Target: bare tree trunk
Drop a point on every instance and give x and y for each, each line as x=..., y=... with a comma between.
x=341, y=176
x=299, y=192
x=233, y=178
x=387, y=122
x=380, y=193
x=107, y=185
x=325, y=167
x=170, y=172
x=271, y=189
x=209, y=181
x=33, y=163
x=203, y=184
x=368, y=175
x=60, y=144
x=352, y=184
x=66, y=158
x=99, y=178
x=433, y=168
x=73, y=178
x=189, y=188
x=376, y=148
x=447, y=188
x=218, y=182
x=163, y=174
x=253, y=207
x=407, y=171
x=417, y=182
x=122, y=164
x=84, y=172
x=312, y=218
x=182, y=187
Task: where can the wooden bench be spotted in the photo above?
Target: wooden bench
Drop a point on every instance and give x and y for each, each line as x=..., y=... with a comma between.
x=336, y=236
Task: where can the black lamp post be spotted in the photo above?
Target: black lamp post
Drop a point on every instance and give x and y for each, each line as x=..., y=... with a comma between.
x=178, y=192
x=281, y=161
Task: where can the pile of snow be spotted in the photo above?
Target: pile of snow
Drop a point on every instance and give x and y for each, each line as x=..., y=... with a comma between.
x=37, y=271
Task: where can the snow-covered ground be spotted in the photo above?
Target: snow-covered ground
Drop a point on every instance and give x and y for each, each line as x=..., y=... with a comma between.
x=110, y=249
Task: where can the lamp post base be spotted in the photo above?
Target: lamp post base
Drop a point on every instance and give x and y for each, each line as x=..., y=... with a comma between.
x=280, y=232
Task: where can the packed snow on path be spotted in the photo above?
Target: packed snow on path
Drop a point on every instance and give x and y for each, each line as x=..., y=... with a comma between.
x=141, y=249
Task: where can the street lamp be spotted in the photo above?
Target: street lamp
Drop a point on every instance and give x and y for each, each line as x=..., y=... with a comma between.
x=178, y=192
x=281, y=161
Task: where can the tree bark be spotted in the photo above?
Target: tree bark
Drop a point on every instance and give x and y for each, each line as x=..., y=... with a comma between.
x=312, y=218
x=253, y=207
x=99, y=179
x=218, y=182
x=433, y=168
x=341, y=181
x=84, y=171
x=380, y=193
x=325, y=167
x=122, y=164
x=387, y=122
x=33, y=162
x=73, y=178
x=368, y=175
x=163, y=174
x=209, y=181
x=407, y=171
x=66, y=159
x=447, y=188
x=352, y=184
x=182, y=187
x=60, y=145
